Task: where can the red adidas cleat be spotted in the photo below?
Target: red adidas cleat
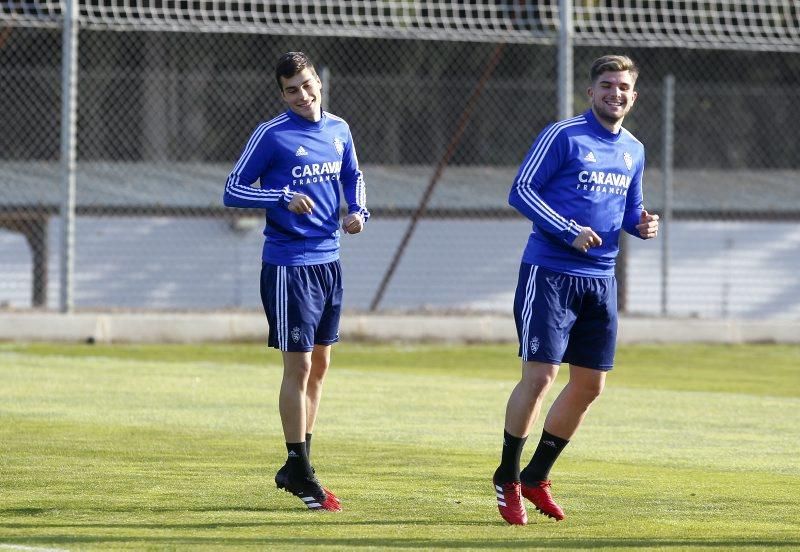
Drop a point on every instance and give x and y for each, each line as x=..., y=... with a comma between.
x=331, y=502
x=282, y=478
x=313, y=495
x=539, y=493
x=332, y=496
x=509, y=502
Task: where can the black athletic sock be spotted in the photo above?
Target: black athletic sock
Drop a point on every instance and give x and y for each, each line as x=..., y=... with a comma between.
x=297, y=461
x=538, y=469
x=308, y=446
x=508, y=470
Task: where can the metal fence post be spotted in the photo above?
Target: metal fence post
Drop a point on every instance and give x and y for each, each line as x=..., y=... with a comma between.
x=565, y=63
x=666, y=216
x=325, y=79
x=69, y=111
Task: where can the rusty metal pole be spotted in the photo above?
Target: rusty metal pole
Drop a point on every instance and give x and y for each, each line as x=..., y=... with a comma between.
x=451, y=149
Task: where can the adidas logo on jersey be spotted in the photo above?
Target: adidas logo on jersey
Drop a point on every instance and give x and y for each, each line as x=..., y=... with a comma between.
x=590, y=157
x=300, y=152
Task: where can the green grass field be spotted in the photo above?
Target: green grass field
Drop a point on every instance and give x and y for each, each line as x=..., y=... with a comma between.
x=174, y=447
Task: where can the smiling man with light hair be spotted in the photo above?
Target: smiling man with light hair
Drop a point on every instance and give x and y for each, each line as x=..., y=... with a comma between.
x=580, y=184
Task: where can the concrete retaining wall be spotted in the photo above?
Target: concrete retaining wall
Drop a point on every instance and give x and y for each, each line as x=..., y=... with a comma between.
x=207, y=327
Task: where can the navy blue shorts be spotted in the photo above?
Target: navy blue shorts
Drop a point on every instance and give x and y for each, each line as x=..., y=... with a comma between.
x=563, y=318
x=303, y=305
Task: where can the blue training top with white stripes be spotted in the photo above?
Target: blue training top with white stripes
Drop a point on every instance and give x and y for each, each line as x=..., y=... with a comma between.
x=290, y=155
x=576, y=174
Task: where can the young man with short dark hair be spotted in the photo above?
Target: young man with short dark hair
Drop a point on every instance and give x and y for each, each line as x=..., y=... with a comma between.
x=301, y=158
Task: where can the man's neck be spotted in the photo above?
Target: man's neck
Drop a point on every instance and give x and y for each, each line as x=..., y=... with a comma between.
x=613, y=128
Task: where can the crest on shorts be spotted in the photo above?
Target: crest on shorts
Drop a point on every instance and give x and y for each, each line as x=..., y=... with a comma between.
x=295, y=334
x=534, y=345
x=628, y=160
x=339, y=145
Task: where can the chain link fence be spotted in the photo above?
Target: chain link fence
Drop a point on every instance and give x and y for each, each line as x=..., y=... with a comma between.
x=445, y=97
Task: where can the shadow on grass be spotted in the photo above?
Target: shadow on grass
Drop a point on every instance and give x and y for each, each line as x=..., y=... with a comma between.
x=267, y=523
x=412, y=543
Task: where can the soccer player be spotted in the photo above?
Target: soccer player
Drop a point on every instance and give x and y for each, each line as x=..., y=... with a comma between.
x=301, y=158
x=580, y=184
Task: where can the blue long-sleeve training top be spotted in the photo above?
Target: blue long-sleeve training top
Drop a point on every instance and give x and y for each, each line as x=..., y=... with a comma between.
x=290, y=155
x=576, y=174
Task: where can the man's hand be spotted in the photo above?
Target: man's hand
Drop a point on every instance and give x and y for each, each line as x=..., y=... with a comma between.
x=301, y=204
x=353, y=223
x=648, y=225
x=586, y=240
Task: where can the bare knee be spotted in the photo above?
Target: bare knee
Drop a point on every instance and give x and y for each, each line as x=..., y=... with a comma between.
x=320, y=362
x=586, y=384
x=297, y=368
x=590, y=391
x=537, y=377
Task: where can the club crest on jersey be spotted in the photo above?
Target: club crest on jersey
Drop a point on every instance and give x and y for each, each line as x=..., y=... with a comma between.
x=339, y=145
x=628, y=160
x=295, y=334
x=534, y=345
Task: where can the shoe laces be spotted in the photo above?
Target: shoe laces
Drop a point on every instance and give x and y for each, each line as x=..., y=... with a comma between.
x=513, y=490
